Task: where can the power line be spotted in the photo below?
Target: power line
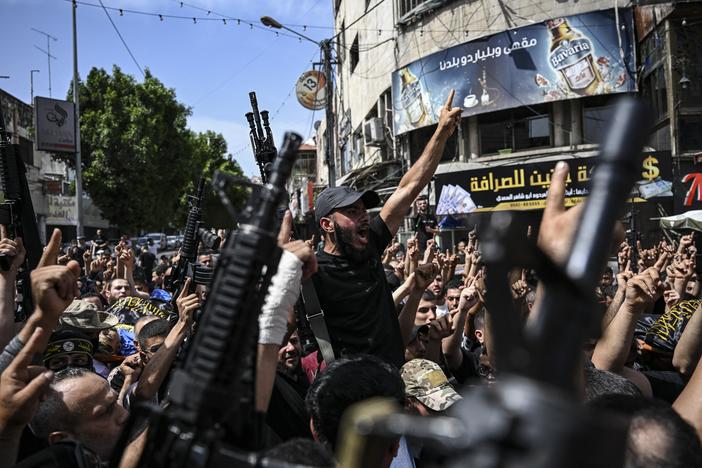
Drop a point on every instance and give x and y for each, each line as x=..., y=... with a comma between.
x=122, y=39
x=194, y=19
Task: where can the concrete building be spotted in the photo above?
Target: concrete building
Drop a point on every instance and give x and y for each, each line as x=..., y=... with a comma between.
x=49, y=180
x=525, y=106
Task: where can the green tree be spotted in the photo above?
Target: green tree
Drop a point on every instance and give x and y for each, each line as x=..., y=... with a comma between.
x=138, y=156
x=210, y=154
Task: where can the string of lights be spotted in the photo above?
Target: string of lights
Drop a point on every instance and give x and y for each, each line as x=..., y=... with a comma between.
x=226, y=20
x=193, y=19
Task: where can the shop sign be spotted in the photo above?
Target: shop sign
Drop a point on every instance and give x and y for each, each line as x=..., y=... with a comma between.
x=524, y=186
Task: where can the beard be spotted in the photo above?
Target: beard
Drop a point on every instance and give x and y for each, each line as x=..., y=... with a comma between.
x=344, y=240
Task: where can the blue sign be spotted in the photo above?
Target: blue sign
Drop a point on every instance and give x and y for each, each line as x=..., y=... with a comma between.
x=562, y=58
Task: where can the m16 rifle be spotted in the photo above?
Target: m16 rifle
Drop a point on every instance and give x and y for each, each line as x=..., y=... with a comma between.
x=211, y=419
x=261, y=138
x=194, y=234
x=265, y=152
x=17, y=214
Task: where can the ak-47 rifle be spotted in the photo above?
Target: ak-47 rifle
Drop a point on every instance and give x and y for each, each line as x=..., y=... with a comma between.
x=211, y=419
x=194, y=234
x=17, y=214
x=261, y=138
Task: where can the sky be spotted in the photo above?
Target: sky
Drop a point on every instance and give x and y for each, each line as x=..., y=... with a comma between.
x=211, y=65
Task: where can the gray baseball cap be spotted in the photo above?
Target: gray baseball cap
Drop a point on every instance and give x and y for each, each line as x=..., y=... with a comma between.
x=332, y=198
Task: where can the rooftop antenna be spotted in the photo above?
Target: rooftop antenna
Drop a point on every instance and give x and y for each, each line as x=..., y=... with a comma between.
x=49, y=37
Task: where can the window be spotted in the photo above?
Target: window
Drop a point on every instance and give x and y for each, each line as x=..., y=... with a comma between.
x=689, y=132
x=353, y=54
x=409, y=10
x=660, y=138
x=654, y=89
x=596, y=115
x=515, y=129
x=345, y=159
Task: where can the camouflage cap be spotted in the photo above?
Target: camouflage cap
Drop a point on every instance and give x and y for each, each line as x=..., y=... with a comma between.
x=425, y=381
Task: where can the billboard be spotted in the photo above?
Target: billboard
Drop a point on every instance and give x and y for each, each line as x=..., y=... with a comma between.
x=524, y=186
x=55, y=125
x=562, y=58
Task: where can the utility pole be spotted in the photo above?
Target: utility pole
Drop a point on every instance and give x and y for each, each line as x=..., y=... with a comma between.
x=76, y=103
x=326, y=47
x=49, y=37
x=329, y=111
x=31, y=86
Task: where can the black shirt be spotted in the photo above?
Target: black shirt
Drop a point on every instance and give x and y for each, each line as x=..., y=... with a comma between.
x=147, y=261
x=421, y=223
x=357, y=302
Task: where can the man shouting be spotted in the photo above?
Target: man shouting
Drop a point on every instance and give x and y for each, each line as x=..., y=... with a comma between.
x=350, y=281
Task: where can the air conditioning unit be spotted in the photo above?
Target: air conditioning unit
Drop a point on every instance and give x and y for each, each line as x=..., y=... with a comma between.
x=373, y=132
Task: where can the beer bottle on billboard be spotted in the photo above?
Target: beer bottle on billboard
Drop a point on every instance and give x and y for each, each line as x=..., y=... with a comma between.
x=571, y=55
x=411, y=97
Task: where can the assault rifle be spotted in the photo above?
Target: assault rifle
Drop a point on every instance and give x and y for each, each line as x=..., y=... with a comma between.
x=261, y=138
x=211, y=419
x=264, y=153
x=194, y=234
x=17, y=214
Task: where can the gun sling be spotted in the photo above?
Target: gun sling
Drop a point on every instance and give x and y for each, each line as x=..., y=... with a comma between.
x=315, y=317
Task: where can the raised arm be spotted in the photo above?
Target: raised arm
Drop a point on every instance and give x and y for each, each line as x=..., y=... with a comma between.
x=451, y=345
x=689, y=348
x=15, y=250
x=423, y=170
x=688, y=404
x=159, y=365
x=421, y=279
x=613, y=347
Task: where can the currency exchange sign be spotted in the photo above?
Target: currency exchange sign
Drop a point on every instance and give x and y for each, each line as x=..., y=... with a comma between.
x=524, y=186
x=562, y=58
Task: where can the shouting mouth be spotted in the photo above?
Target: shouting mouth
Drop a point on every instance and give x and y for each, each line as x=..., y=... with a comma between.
x=362, y=234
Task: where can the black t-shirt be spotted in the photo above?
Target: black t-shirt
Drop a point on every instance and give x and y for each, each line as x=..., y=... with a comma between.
x=421, y=223
x=357, y=302
x=147, y=261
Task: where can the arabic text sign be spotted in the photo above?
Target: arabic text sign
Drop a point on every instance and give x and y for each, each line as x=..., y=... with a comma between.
x=525, y=186
x=55, y=125
x=559, y=59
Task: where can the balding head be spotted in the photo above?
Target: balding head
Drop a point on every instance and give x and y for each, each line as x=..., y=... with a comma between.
x=81, y=406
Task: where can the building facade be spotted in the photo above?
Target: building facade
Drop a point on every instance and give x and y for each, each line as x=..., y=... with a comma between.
x=536, y=81
x=51, y=183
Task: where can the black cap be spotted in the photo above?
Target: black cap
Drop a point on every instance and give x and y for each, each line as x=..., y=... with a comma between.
x=332, y=198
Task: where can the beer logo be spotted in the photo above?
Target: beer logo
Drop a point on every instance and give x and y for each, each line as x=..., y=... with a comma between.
x=570, y=52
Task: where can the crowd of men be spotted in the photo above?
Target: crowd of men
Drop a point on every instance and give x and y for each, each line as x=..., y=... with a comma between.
x=404, y=321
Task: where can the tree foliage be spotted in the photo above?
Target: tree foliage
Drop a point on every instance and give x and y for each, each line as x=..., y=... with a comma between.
x=138, y=156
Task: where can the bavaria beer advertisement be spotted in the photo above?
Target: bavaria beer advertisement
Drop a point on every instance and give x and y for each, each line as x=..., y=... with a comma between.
x=561, y=58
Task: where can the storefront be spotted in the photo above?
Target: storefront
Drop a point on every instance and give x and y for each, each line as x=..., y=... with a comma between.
x=522, y=186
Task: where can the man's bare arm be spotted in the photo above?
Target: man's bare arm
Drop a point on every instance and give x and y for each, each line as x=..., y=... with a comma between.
x=423, y=170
